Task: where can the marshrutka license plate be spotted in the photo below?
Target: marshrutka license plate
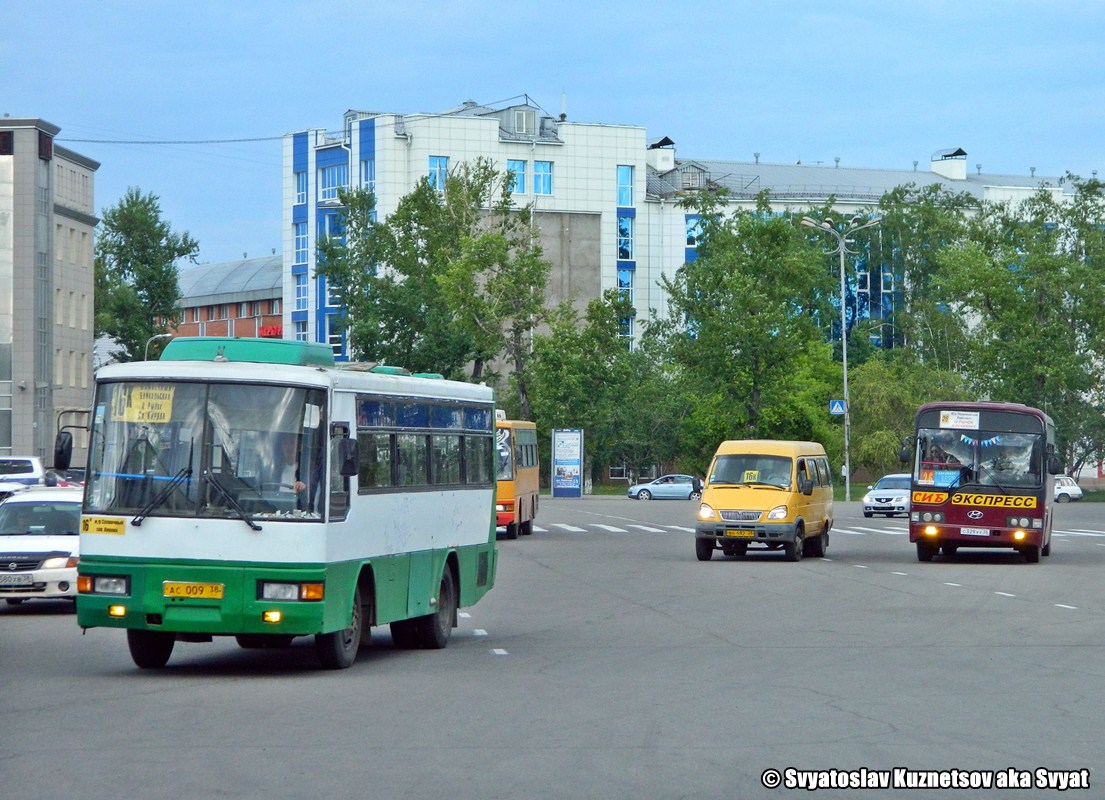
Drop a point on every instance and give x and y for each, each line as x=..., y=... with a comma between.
x=742, y=534
x=203, y=591
x=975, y=531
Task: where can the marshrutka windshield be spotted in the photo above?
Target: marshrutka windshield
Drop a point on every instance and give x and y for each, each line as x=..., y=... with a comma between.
x=209, y=450
x=952, y=457
x=504, y=470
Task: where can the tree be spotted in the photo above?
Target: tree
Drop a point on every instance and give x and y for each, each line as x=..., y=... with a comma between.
x=136, y=275
x=743, y=330
x=1030, y=281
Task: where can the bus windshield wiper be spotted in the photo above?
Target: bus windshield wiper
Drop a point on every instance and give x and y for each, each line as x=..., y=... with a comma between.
x=184, y=474
x=991, y=476
x=230, y=501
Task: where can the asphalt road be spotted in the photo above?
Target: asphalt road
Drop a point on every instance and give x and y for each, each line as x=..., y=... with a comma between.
x=608, y=663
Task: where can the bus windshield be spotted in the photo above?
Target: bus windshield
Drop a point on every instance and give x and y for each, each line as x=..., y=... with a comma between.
x=211, y=450
x=504, y=463
x=952, y=458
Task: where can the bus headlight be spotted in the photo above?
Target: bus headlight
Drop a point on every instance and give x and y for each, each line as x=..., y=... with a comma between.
x=927, y=516
x=779, y=512
x=103, y=584
x=291, y=591
x=705, y=512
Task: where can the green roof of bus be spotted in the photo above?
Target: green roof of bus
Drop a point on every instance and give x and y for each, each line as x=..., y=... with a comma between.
x=258, y=351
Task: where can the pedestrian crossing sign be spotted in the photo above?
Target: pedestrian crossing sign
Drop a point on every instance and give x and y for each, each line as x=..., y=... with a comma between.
x=836, y=406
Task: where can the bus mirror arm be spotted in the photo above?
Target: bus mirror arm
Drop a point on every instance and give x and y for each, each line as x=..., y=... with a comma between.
x=347, y=457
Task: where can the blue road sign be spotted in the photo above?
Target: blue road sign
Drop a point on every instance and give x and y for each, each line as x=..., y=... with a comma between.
x=836, y=406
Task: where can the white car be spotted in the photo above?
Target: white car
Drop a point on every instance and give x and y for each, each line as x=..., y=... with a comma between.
x=889, y=495
x=1066, y=489
x=27, y=470
x=40, y=544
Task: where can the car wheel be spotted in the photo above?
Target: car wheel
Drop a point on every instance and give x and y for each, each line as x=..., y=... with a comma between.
x=704, y=548
x=792, y=550
x=867, y=514
x=695, y=496
x=644, y=494
x=1062, y=498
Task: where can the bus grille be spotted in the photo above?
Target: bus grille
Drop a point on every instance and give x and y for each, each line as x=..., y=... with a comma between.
x=740, y=516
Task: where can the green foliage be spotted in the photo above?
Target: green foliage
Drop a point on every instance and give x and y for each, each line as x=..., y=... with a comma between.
x=136, y=276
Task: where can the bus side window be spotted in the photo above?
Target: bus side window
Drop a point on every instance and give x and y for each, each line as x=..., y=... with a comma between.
x=343, y=456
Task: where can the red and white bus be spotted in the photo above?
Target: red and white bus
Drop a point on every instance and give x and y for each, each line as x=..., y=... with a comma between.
x=981, y=478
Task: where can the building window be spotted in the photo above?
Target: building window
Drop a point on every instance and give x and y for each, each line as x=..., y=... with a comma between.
x=300, y=231
x=331, y=179
x=625, y=283
x=625, y=238
x=518, y=168
x=694, y=229
x=301, y=292
x=625, y=185
x=300, y=330
x=439, y=171
x=300, y=188
x=276, y=306
x=542, y=177
x=368, y=174
x=334, y=329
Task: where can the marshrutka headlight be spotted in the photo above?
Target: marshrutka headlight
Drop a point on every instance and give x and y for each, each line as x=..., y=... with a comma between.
x=59, y=562
x=779, y=512
x=705, y=512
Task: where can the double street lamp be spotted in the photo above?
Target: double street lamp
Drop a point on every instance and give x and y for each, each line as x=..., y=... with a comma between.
x=841, y=238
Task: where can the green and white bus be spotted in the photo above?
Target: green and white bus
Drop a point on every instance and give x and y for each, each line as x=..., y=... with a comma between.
x=194, y=525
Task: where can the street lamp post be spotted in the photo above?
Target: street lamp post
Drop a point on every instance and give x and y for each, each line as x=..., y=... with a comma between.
x=155, y=337
x=841, y=238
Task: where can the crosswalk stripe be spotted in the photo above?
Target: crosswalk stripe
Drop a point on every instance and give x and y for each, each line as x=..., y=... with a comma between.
x=569, y=528
x=608, y=528
x=647, y=529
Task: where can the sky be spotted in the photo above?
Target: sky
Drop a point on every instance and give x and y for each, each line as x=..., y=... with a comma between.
x=1017, y=84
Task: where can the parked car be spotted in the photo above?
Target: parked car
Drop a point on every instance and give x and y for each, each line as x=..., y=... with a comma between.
x=27, y=470
x=1066, y=489
x=39, y=544
x=889, y=495
x=667, y=487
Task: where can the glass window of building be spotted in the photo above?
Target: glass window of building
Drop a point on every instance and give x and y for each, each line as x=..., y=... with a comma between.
x=439, y=171
x=518, y=168
x=542, y=177
x=368, y=174
x=300, y=187
x=625, y=238
x=300, y=292
x=625, y=185
x=331, y=179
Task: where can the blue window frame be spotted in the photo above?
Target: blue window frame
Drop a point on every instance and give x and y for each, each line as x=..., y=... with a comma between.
x=518, y=167
x=439, y=171
x=368, y=174
x=331, y=179
x=625, y=185
x=300, y=330
x=625, y=237
x=301, y=291
x=299, y=229
x=625, y=283
x=542, y=177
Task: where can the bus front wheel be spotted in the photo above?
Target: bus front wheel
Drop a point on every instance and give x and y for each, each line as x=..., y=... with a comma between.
x=338, y=650
x=926, y=551
x=150, y=649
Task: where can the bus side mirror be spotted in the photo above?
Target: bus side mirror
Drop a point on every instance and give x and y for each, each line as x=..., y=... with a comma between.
x=1053, y=465
x=904, y=454
x=63, y=450
x=347, y=457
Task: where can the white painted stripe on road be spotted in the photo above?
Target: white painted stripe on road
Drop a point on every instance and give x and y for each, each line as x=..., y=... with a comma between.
x=949, y=583
x=464, y=615
x=681, y=528
x=1080, y=532
x=899, y=573
x=1063, y=605
x=647, y=529
x=609, y=528
x=861, y=566
x=479, y=632
x=540, y=530
x=569, y=528
x=500, y=652
x=874, y=530
x=1005, y=594
x=847, y=532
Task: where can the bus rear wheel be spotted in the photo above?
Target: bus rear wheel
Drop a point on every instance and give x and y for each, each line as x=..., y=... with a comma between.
x=433, y=630
x=150, y=649
x=338, y=650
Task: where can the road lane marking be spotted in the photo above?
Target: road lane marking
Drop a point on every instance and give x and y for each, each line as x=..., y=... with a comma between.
x=949, y=583
x=464, y=615
x=1063, y=605
x=500, y=652
x=569, y=528
x=479, y=632
x=1005, y=594
x=608, y=528
x=899, y=573
x=647, y=529
x=861, y=566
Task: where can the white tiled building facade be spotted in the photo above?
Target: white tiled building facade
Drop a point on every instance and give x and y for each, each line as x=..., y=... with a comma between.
x=606, y=198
